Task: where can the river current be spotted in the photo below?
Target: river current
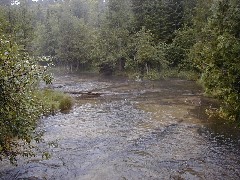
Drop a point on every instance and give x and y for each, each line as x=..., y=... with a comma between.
x=132, y=130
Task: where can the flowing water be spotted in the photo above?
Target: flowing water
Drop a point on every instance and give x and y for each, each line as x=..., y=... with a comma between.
x=133, y=130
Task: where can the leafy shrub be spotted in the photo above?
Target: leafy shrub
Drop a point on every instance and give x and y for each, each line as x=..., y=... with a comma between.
x=19, y=109
x=217, y=57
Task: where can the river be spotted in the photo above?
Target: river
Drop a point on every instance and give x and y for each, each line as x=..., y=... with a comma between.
x=133, y=130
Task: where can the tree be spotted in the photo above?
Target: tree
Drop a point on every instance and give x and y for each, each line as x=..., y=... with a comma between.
x=159, y=16
x=18, y=19
x=147, y=55
x=46, y=35
x=217, y=56
x=19, y=109
x=113, y=37
x=195, y=19
x=24, y=24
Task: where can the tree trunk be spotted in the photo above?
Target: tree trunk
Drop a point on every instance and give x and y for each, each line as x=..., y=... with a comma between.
x=147, y=68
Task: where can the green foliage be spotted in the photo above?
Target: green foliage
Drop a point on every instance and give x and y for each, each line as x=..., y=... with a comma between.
x=16, y=21
x=177, y=73
x=150, y=39
x=66, y=104
x=19, y=110
x=162, y=18
x=196, y=14
x=66, y=33
x=147, y=55
x=45, y=42
x=217, y=56
x=54, y=101
x=144, y=46
x=152, y=75
x=113, y=38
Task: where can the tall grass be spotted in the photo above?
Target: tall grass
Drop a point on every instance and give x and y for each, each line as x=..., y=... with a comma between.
x=176, y=73
x=165, y=73
x=54, y=101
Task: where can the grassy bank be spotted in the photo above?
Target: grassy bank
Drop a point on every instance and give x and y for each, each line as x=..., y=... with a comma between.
x=54, y=101
x=166, y=73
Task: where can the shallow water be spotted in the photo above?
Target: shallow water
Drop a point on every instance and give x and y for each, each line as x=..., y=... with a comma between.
x=134, y=130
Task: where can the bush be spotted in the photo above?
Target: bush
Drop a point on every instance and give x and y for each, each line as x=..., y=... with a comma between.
x=217, y=57
x=19, y=109
x=176, y=73
x=65, y=104
x=152, y=75
x=54, y=101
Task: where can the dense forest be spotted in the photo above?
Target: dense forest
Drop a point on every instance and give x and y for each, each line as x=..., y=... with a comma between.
x=144, y=39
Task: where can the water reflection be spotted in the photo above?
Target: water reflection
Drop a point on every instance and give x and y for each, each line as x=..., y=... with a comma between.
x=134, y=130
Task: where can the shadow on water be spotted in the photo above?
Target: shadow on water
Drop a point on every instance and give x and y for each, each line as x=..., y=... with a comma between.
x=217, y=129
x=133, y=130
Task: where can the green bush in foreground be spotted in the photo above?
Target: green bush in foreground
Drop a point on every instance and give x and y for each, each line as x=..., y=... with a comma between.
x=19, y=109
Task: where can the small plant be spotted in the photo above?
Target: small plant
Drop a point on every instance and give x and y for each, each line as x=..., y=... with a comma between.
x=65, y=104
x=54, y=101
x=175, y=73
x=152, y=75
